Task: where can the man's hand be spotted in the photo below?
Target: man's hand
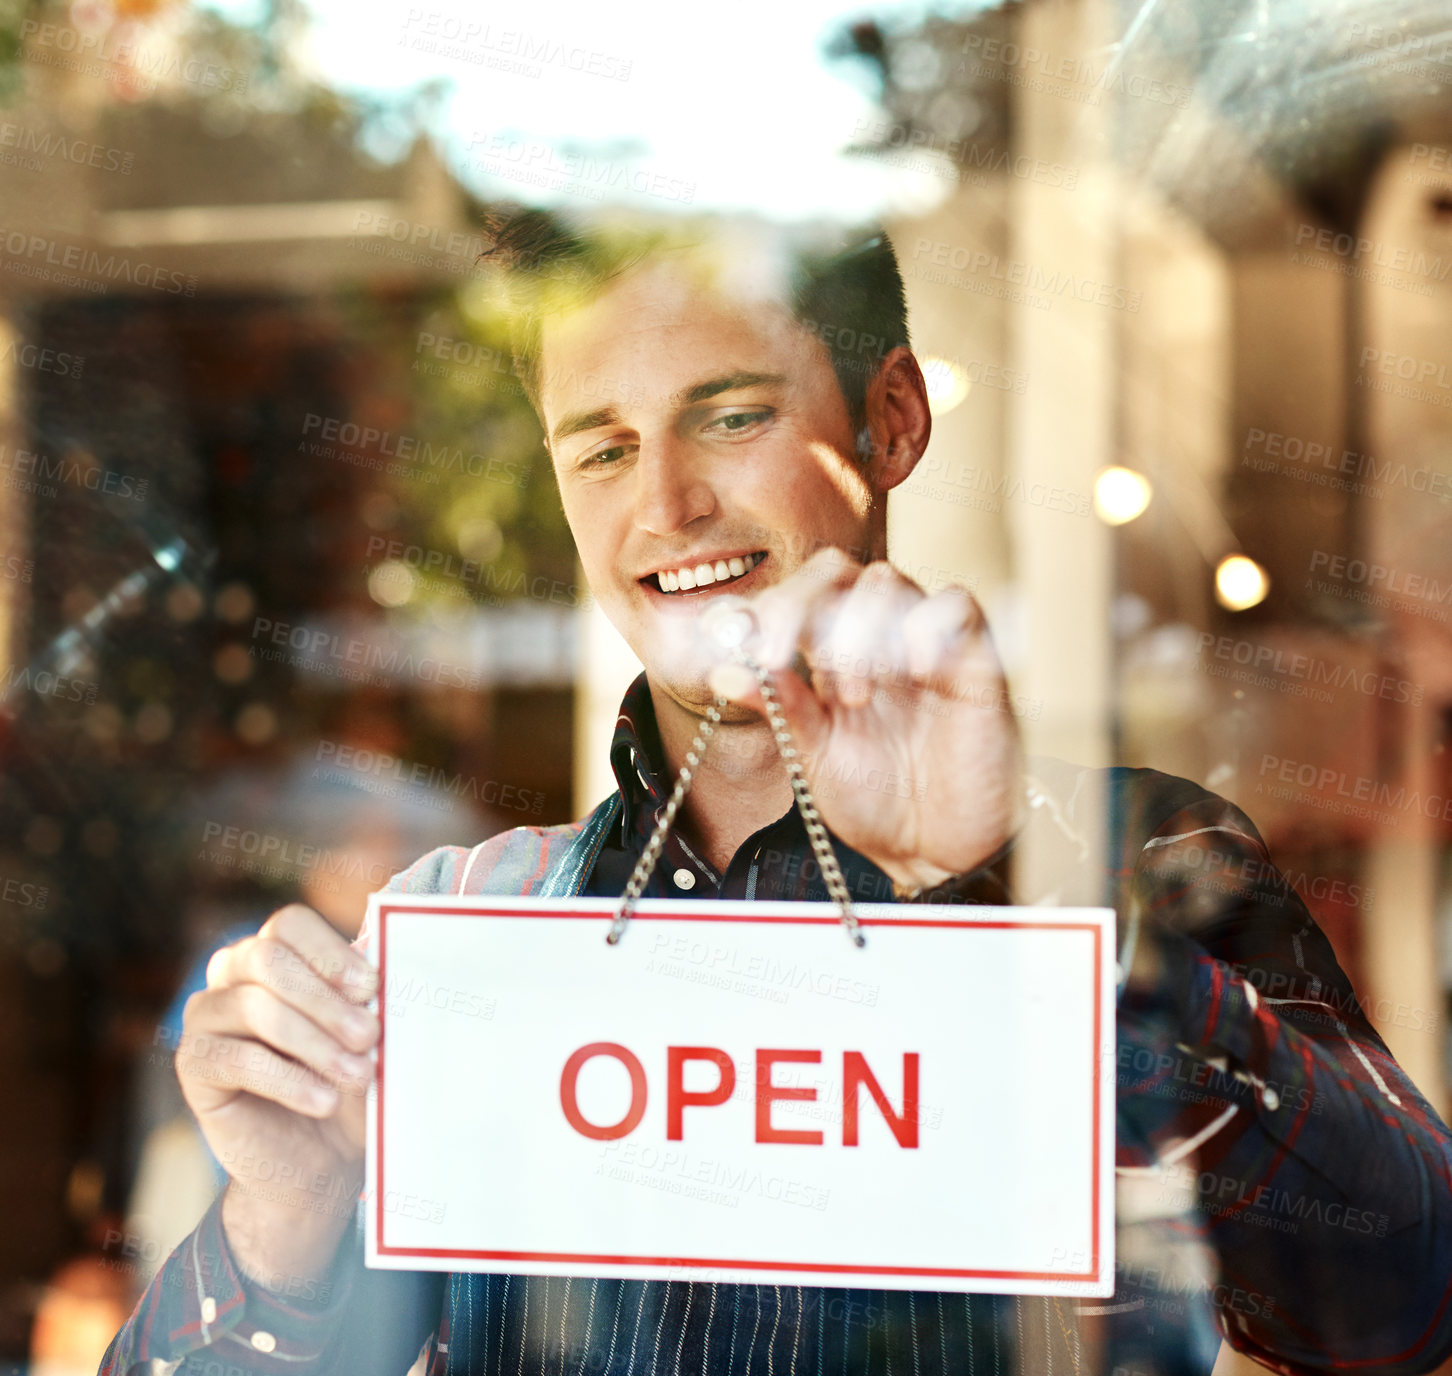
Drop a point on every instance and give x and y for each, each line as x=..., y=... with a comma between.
x=274, y=1062
x=903, y=723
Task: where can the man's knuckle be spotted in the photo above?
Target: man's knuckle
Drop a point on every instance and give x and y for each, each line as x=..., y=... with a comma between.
x=256, y=1008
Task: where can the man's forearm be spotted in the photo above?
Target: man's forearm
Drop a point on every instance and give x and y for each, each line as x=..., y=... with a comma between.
x=285, y=1236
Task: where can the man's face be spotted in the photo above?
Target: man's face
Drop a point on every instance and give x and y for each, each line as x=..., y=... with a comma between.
x=702, y=447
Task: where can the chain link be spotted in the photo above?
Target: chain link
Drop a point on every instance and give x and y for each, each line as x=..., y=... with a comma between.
x=645, y=866
x=801, y=795
x=806, y=804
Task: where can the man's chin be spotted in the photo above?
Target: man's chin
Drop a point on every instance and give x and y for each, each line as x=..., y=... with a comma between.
x=694, y=694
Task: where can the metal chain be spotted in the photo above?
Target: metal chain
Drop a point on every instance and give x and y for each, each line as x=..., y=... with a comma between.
x=806, y=804
x=645, y=866
x=801, y=795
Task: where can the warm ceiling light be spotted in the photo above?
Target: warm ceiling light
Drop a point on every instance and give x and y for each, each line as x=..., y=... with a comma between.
x=1121, y=494
x=947, y=384
x=1240, y=583
x=392, y=583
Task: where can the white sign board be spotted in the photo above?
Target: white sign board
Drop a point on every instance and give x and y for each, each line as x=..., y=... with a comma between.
x=737, y=1093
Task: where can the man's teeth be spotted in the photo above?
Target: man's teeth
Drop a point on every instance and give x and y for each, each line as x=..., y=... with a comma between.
x=703, y=575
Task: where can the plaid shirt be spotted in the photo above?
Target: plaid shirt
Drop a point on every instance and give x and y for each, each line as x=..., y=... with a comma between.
x=1281, y=1181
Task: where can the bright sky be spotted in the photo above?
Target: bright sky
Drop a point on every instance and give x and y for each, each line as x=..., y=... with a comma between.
x=723, y=107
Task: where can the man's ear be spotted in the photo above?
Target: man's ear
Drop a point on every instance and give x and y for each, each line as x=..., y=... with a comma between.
x=899, y=422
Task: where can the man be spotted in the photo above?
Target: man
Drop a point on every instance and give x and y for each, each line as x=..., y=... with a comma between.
x=736, y=450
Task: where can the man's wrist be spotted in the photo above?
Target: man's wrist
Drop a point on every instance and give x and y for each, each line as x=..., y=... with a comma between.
x=279, y=1246
x=917, y=880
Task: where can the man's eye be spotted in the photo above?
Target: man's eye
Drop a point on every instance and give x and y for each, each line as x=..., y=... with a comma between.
x=603, y=458
x=735, y=421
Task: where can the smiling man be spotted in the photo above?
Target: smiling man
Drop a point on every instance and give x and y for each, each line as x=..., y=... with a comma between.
x=747, y=447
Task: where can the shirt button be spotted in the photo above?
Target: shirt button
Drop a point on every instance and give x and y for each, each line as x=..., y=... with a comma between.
x=263, y=1342
x=1270, y=1099
x=209, y=1310
x=684, y=879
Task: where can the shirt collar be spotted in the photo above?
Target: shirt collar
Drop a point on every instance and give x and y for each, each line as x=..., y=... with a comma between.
x=636, y=757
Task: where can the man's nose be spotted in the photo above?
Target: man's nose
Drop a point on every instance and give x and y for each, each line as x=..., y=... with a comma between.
x=671, y=491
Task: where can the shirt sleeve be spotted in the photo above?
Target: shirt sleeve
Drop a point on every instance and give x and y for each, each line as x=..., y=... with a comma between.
x=1251, y=1085
x=199, y=1310
x=198, y=1301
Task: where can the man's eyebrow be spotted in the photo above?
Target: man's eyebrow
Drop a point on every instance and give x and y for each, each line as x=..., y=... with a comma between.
x=584, y=420
x=701, y=391
x=704, y=391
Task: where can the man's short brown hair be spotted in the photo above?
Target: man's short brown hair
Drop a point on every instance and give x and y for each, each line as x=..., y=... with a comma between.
x=845, y=287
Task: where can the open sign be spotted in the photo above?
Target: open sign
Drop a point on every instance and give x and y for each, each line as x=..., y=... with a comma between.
x=737, y=1093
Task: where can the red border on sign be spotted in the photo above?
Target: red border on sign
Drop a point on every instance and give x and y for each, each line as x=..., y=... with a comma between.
x=824, y=1268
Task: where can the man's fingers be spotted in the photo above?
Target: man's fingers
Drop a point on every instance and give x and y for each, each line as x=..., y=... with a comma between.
x=213, y=1069
x=945, y=635
x=327, y=952
x=282, y=972
x=861, y=644
x=255, y=1012
x=805, y=715
x=788, y=611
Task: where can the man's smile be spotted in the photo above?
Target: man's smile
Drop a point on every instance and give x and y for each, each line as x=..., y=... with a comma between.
x=696, y=574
